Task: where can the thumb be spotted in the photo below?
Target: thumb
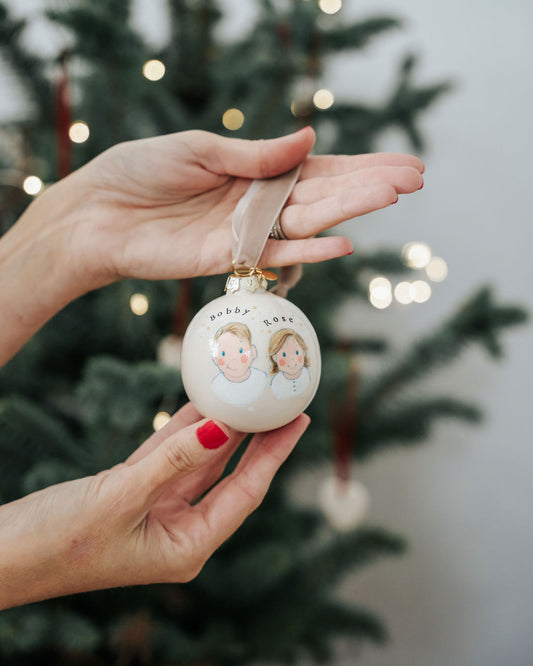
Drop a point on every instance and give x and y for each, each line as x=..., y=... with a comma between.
x=258, y=159
x=178, y=455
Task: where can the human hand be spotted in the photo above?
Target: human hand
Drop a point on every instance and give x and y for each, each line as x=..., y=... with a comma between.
x=136, y=523
x=161, y=208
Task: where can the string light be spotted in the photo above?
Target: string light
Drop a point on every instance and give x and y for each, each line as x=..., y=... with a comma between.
x=233, y=119
x=160, y=420
x=403, y=293
x=32, y=185
x=323, y=98
x=437, y=269
x=154, y=70
x=420, y=291
x=139, y=304
x=380, y=292
x=79, y=132
x=416, y=254
x=330, y=6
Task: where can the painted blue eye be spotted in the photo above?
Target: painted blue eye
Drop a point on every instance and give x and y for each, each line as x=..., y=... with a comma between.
x=223, y=353
x=240, y=350
x=297, y=353
x=284, y=354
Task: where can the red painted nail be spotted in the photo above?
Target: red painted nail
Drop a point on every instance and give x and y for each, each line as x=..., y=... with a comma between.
x=211, y=436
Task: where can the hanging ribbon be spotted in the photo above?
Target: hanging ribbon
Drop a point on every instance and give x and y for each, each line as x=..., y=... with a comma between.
x=255, y=215
x=252, y=222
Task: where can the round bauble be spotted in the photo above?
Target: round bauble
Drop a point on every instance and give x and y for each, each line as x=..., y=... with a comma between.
x=250, y=358
x=344, y=503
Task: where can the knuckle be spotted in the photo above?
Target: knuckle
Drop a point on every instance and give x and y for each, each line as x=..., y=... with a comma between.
x=180, y=456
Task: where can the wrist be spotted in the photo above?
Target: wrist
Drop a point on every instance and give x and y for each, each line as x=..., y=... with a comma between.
x=36, y=277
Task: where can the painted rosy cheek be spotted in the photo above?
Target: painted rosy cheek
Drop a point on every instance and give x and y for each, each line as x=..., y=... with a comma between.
x=221, y=361
x=244, y=358
x=282, y=362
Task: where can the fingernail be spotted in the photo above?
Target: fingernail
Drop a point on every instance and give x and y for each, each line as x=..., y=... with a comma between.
x=211, y=436
x=421, y=186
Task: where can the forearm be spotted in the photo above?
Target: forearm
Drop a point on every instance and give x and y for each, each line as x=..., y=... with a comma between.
x=30, y=557
x=36, y=280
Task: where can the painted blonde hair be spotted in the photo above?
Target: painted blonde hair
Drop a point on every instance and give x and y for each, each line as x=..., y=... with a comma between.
x=241, y=331
x=278, y=340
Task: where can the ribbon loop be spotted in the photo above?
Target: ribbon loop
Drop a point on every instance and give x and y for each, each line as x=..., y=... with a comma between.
x=255, y=214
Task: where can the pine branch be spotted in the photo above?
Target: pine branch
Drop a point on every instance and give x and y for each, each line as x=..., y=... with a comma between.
x=408, y=423
x=349, y=621
x=479, y=320
x=407, y=101
x=345, y=552
x=28, y=68
x=29, y=432
x=358, y=35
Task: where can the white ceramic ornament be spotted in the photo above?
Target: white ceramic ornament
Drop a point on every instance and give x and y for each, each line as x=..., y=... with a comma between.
x=344, y=503
x=250, y=358
x=169, y=351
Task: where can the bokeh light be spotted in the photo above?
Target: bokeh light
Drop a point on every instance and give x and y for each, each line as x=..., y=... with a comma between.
x=79, y=132
x=416, y=254
x=323, y=98
x=380, y=292
x=233, y=119
x=420, y=291
x=402, y=293
x=139, y=304
x=437, y=269
x=330, y=6
x=160, y=420
x=154, y=70
x=32, y=185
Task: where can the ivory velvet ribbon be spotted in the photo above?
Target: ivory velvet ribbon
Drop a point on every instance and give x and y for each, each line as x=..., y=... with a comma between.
x=253, y=219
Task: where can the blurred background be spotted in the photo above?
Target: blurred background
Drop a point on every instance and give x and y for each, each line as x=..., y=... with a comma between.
x=463, y=591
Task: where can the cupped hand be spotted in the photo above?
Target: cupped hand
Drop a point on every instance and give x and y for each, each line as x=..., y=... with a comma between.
x=161, y=208
x=139, y=522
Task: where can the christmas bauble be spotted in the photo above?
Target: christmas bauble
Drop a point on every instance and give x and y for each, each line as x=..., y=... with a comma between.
x=250, y=358
x=344, y=503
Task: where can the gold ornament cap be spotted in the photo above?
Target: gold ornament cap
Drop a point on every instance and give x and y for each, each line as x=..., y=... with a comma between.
x=248, y=278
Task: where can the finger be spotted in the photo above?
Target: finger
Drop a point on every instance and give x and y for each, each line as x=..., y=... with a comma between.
x=254, y=159
x=404, y=179
x=229, y=503
x=183, y=417
x=179, y=455
x=304, y=221
x=336, y=165
x=308, y=251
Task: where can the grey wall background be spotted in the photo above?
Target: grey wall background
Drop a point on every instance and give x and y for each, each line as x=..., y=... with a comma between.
x=463, y=596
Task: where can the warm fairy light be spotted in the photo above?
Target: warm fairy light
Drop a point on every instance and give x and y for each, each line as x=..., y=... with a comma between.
x=154, y=70
x=420, y=291
x=330, y=6
x=32, y=185
x=79, y=132
x=294, y=108
x=437, y=269
x=233, y=119
x=160, y=420
x=380, y=292
x=139, y=304
x=416, y=255
x=323, y=98
x=403, y=293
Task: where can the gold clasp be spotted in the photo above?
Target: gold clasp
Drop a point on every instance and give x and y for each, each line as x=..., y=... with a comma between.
x=249, y=271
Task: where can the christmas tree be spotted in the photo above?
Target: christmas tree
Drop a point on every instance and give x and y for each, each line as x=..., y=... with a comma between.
x=268, y=593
